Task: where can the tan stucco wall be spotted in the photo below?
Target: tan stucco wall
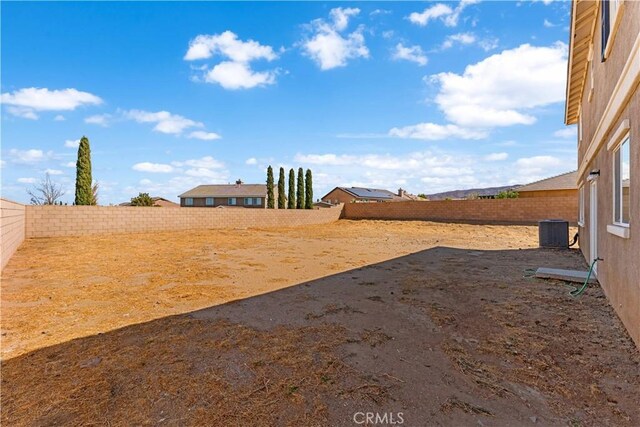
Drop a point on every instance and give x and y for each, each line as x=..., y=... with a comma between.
x=12, y=222
x=50, y=221
x=517, y=211
x=619, y=273
x=548, y=193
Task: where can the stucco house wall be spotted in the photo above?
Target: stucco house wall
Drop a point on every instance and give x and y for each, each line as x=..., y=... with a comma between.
x=598, y=121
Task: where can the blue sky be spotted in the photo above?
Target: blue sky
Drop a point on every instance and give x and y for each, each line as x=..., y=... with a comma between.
x=429, y=96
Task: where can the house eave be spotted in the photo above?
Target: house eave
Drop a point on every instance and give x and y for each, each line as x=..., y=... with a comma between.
x=583, y=22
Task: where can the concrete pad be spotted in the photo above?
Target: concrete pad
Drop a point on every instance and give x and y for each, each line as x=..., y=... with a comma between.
x=566, y=275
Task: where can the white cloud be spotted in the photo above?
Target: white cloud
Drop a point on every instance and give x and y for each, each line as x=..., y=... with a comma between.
x=494, y=157
x=412, y=53
x=461, y=38
x=331, y=49
x=99, y=119
x=206, y=136
x=235, y=72
x=28, y=156
x=430, y=13
x=207, y=162
x=488, y=44
x=27, y=180
x=152, y=167
x=27, y=101
x=539, y=167
x=238, y=75
x=251, y=161
x=500, y=90
x=54, y=172
x=228, y=45
x=72, y=143
x=165, y=122
x=570, y=132
x=59, y=118
x=445, y=13
x=548, y=24
x=435, y=132
x=69, y=165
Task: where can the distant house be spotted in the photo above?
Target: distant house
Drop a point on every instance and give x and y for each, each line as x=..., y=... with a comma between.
x=556, y=186
x=157, y=201
x=227, y=195
x=364, y=195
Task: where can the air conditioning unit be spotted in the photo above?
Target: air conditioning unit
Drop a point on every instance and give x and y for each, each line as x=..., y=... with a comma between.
x=553, y=233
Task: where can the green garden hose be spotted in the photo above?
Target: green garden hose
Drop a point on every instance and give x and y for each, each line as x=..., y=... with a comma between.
x=577, y=292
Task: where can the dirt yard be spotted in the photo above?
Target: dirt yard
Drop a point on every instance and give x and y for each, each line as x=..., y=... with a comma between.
x=425, y=322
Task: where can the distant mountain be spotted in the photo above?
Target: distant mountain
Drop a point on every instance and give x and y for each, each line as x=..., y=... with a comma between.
x=462, y=194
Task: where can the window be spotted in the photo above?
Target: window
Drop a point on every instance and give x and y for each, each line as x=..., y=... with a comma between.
x=248, y=201
x=621, y=183
x=610, y=11
x=209, y=201
x=581, y=205
x=188, y=201
x=232, y=201
x=257, y=201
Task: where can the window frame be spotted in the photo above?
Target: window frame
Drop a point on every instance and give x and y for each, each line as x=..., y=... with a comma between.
x=206, y=201
x=232, y=201
x=611, y=13
x=581, y=205
x=618, y=198
x=188, y=201
x=248, y=201
x=257, y=201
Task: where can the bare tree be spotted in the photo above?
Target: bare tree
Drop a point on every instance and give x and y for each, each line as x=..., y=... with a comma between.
x=46, y=193
x=94, y=193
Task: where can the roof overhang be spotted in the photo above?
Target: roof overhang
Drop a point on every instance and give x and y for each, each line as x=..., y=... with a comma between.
x=583, y=24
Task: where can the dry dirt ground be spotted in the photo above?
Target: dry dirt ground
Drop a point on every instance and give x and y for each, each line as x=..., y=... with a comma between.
x=419, y=322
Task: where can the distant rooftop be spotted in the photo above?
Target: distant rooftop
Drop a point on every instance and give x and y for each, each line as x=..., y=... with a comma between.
x=227, y=190
x=565, y=181
x=369, y=193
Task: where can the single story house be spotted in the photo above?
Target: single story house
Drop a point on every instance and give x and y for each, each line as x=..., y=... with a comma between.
x=157, y=201
x=603, y=100
x=556, y=186
x=365, y=195
x=227, y=195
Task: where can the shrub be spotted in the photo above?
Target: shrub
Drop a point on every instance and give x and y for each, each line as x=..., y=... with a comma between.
x=282, y=199
x=270, y=201
x=300, y=192
x=308, y=190
x=142, y=199
x=291, y=203
x=507, y=194
x=84, y=191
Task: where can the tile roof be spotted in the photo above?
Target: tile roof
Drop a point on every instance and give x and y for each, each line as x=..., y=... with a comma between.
x=369, y=193
x=566, y=181
x=227, y=190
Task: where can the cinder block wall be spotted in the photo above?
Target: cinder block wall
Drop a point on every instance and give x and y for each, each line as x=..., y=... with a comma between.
x=516, y=211
x=12, y=222
x=53, y=221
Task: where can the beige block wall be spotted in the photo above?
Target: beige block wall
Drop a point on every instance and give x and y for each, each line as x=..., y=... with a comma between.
x=53, y=221
x=517, y=211
x=12, y=223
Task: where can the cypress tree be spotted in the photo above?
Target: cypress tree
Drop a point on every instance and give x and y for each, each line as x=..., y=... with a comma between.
x=84, y=192
x=291, y=203
x=270, y=201
x=300, y=193
x=282, y=199
x=308, y=189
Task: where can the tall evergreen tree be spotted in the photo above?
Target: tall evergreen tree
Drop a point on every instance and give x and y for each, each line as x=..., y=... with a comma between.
x=282, y=198
x=291, y=203
x=270, y=201
x=84, y=191
x=300, y=192
x=308, y=190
